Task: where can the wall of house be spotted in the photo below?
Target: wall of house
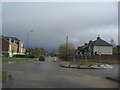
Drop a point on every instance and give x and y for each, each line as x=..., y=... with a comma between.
x=13, y=48
x=20, y=47
x=106, y=50
x=23, y=50
x=5, y=45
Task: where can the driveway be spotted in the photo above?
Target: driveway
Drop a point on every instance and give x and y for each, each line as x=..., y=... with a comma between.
x=48, y=74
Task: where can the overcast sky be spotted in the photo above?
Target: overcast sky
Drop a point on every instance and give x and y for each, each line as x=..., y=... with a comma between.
x=52, y=22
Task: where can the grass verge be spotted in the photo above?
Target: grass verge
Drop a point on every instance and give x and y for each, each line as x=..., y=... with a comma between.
x=3, y=76
x=14, y=59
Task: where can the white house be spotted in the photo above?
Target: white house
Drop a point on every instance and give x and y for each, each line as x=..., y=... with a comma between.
x=98, y=46
x=101, y=47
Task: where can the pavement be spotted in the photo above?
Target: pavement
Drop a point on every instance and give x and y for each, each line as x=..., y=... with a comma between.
x=117, y=79
x=48, y=74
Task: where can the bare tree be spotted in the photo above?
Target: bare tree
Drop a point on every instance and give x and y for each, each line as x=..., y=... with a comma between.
x=37, y=52
x=113, y=42
x=66, y=54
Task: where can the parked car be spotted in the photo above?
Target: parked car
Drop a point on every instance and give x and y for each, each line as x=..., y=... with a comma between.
x=42, y=58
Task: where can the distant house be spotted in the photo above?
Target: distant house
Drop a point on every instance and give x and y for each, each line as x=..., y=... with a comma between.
x=98, y=46
x=11, y=46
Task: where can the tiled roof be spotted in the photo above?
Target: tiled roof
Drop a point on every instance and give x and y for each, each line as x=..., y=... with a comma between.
x=100, y=42
x=13, y=38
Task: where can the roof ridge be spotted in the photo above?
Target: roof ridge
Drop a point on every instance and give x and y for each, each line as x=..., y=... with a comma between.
x=101, y=42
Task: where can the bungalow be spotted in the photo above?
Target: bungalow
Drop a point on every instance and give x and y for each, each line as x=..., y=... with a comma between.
x=11, y=46
x=98, y=46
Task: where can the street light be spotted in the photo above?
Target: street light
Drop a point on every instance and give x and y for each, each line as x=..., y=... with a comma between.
x=66, y=48
x=28, y=38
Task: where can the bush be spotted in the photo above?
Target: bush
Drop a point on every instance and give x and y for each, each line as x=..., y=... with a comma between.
x=21, y=56
x=24, y=56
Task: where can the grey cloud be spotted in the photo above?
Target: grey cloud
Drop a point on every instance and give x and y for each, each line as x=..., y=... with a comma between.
x=51, y=22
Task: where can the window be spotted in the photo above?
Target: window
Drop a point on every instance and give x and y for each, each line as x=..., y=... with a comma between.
x=12, y=41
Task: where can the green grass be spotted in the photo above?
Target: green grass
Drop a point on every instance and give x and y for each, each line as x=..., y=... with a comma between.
x=3, y=76
x=14, y=59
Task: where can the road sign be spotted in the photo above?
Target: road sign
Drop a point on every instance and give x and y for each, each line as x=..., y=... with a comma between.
x=85, y=53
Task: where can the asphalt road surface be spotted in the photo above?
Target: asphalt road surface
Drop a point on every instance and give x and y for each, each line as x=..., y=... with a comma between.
x=48, y=74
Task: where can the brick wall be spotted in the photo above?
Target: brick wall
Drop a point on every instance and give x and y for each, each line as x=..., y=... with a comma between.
x=109, y=57
x=5, y=45
x=103, y=57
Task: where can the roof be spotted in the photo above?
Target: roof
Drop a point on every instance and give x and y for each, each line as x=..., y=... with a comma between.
x=100, y=42
x=82, y=47
x=13, y=38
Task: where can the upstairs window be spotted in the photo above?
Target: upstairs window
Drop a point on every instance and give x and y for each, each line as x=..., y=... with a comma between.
x=12, y=41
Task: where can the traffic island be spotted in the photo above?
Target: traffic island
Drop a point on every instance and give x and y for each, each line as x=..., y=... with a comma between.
x=90, y=66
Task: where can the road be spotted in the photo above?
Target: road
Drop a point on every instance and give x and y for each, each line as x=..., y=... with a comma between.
x=48, y=74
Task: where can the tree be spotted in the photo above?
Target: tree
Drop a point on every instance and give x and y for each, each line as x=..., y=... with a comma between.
x=37, y=52
x=63, y=53
x=113, y=42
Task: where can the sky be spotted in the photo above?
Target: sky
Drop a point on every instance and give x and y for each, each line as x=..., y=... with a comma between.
x=51, y=22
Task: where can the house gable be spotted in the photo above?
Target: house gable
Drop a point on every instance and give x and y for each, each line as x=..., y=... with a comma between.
x=98, y=46
x=100, y=42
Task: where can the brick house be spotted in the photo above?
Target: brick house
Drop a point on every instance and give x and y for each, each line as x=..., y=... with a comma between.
x=11, y=46
x=98, y=46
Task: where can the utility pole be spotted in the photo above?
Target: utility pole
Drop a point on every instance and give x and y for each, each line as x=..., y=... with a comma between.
x=66, y=48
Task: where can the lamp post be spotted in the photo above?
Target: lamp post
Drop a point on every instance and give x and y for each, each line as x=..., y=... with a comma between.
x=28, y=39
x=66, y=48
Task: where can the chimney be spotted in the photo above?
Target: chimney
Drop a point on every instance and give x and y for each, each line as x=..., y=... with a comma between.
x=85, y=43
x=10, y=40
x=90, y=41
x=98, y=37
